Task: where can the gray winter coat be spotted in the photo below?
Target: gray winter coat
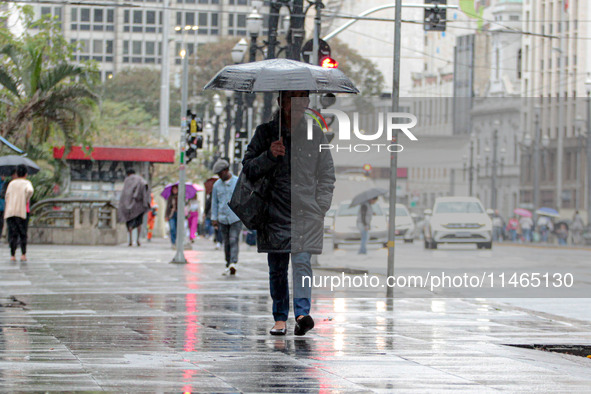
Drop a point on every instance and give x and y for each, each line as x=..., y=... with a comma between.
x=300, y=188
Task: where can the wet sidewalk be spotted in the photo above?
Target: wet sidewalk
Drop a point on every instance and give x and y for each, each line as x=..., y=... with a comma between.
x=124, y=319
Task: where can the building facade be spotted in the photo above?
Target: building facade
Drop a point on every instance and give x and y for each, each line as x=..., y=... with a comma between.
x=118, y=37
x=556, y=64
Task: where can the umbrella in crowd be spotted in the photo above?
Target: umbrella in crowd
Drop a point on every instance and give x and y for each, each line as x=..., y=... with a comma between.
x=522, y=212
x=544, y=211
x=191, y=190
x=367, y=195
x=9, y=163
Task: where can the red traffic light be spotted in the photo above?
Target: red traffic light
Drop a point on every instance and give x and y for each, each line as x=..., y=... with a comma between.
x=329, y=62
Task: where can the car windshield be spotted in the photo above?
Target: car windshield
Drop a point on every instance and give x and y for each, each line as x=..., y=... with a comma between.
x=346, y=210
x=401, y=212
x=458, y=207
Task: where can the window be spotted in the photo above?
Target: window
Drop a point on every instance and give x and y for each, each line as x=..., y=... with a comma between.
x=514, y=17
x=45, y=11
x=74, y=15
x=150, y=48
x=137, y=48
x=150, y=17
x=202, y=19
x=98, y=15
x=85, y=15
x=137, y=17
x=189, y=19
x=97, y=46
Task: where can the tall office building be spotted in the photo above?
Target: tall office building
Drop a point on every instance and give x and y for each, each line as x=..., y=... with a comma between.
x=130, y=35
x=556, y=64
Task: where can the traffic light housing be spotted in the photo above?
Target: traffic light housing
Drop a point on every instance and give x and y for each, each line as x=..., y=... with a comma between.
x=435, y=17
x=194, y=137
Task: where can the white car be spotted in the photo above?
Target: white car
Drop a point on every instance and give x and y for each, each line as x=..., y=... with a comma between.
x=345, y=225
x=458, y=220
x=405, y=225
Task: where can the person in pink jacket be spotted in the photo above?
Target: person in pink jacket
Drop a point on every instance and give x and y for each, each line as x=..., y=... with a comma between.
x=193, y=218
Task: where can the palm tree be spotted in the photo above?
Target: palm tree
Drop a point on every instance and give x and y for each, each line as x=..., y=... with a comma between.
x=38, y=99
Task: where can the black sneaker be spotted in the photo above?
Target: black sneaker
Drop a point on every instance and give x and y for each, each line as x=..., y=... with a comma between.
x=232, y=269
x=303, y=325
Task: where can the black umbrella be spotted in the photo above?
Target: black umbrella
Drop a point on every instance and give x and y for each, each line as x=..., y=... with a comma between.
x=276, y=75
x=9, y=163
x=367, y=195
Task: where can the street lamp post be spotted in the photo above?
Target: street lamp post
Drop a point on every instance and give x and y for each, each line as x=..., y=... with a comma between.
x=218, y=109
x=179, y=257
x=228, y=131
x=536, y=161
x=588, y=84
x=254, y=24
x=495, y=163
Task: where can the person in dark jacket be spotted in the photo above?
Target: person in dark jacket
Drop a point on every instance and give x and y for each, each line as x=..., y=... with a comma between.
x=301, y=182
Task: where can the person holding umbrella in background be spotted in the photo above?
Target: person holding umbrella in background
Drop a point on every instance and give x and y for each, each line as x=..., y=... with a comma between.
x=16, y=212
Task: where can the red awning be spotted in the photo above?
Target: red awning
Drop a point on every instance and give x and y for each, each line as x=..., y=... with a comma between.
x=102, y=153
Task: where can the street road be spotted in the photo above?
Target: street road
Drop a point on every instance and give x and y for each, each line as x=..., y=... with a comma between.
x=123, y=319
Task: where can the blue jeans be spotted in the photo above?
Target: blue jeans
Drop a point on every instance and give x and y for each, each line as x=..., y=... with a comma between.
x=231, y=235
x=279, y=285
x=172, y=225
x=513, y=235
x=527, y=235
x=364, y=239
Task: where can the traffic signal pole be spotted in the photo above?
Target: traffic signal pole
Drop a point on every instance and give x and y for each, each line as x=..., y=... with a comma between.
x=179, y=257
x=394, y=155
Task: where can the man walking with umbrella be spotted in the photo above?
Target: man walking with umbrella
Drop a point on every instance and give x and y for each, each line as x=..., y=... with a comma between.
x=301, y=181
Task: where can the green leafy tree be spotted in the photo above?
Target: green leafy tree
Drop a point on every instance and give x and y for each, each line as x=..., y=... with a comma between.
x=44, y=99
x=43, y=96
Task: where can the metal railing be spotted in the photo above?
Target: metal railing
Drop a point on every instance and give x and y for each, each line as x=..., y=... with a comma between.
x=73, y=213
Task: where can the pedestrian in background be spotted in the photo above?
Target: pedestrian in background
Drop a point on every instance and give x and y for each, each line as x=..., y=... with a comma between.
x=364, y=216
x=16, y=212
x=577, y=228
x=170, y=214
x=152, y=217
x=562, y=233
x=3, y=183
x=527, y=225
x=498, y=224
x=545, y=226
x=513, y=228
x=134, y=203
x=193, y=218
x=222, y=217
x=276, y=152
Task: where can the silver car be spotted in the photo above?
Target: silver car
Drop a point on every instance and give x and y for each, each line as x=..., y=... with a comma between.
x=345, y=225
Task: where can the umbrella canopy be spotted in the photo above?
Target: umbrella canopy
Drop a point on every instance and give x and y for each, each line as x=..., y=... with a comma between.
x=367, y=195
x=544, y=211
x=190, y=190
x=522, y=212
x=276, y=75
x=9, y=163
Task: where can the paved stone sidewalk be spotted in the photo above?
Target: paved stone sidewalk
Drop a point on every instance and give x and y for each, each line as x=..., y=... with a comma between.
x=123, y=319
